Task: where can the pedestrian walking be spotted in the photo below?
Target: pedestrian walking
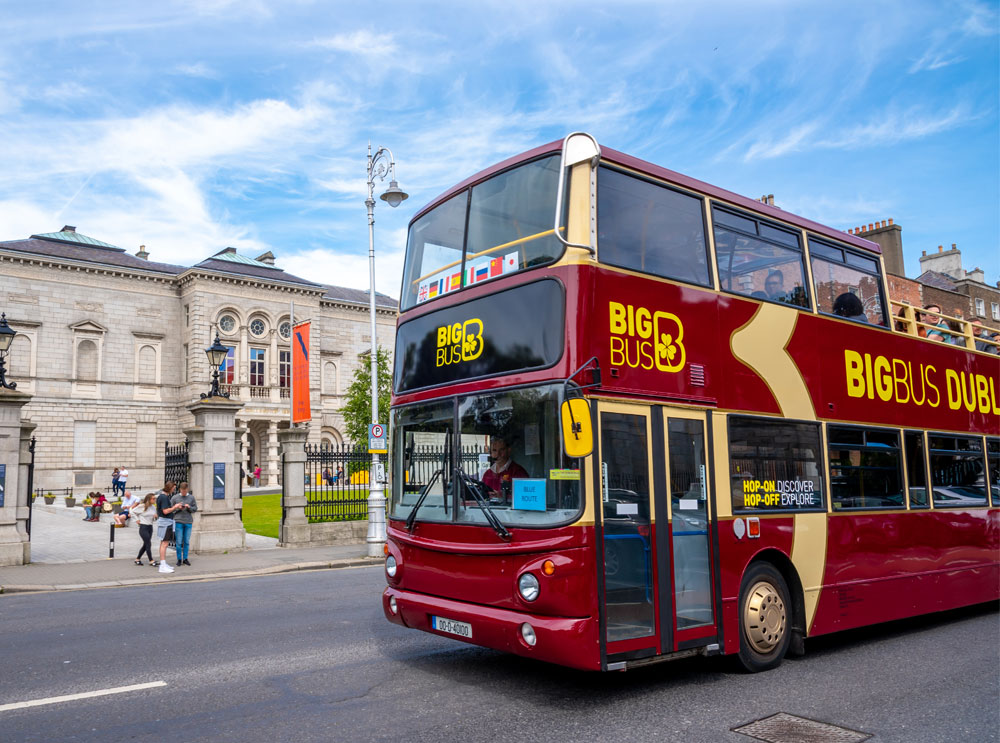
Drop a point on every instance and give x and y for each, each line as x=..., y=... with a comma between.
x=114, y=480
x=185, y=506
x=165, y=523
x=122, y=480
x=145, y=515
x=256, y=476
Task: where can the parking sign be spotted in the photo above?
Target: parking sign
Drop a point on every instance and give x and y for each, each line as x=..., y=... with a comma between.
x=377, y=439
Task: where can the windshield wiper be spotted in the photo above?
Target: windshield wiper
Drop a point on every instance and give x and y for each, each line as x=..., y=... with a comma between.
x=473, y=486
x=420, y=501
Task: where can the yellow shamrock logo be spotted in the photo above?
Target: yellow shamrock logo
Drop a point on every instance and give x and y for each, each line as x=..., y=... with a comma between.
x=669, y=333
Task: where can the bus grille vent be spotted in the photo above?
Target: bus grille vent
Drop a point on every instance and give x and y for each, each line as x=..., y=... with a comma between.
x=697, y=375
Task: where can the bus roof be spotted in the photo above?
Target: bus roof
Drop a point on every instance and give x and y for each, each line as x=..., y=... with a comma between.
x=634, y=163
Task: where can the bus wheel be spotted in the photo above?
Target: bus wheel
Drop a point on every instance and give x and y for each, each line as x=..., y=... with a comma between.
x=765, y=617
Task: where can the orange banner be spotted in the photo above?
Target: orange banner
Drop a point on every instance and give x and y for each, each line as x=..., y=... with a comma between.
x=301, y=410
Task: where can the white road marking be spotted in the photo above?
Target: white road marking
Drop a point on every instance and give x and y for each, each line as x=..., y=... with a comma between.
x=83, y=695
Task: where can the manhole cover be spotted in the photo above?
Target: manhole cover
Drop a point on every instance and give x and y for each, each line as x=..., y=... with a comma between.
x=785, y=728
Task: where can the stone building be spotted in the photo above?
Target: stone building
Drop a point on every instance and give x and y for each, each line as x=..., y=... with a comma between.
x=111, y=346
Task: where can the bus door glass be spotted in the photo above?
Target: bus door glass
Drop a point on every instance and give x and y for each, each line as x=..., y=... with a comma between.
x=624, y=499
x=687, y=480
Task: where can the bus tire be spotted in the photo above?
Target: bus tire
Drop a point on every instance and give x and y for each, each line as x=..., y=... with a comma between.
x=765, y=613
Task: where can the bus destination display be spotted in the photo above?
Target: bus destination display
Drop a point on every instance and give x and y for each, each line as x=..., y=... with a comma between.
x=514, y=330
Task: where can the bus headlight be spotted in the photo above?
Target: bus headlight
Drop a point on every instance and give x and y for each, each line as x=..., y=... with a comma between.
x=527, y=585
x=390, y=566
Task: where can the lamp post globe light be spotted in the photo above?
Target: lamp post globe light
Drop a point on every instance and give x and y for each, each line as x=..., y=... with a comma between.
x=379, y=165
x=6, y=338
x=216, y=355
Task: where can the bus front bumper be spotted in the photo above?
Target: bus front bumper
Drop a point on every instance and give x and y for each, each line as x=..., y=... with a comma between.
x=564, y=640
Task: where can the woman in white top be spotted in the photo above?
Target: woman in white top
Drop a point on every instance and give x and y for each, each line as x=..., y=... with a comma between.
x=145, y=515
x=128, y=503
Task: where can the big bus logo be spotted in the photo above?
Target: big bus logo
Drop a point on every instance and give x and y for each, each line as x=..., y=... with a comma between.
x=458, y=342
x=641, y=339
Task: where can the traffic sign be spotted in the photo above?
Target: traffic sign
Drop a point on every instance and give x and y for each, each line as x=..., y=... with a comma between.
x=377, y=439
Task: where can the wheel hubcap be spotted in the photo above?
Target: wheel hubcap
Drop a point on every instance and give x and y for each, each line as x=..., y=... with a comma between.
x=764, y=617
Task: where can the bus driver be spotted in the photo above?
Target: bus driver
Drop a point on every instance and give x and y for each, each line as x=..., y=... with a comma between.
x=504, y=469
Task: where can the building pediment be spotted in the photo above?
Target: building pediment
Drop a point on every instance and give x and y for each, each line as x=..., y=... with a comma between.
x=88, y=326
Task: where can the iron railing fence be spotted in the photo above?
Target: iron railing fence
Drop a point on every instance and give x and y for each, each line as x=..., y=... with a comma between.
x=175, y=462
x=337, y=482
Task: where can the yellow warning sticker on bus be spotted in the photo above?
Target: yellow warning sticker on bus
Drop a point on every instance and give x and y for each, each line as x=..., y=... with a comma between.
x=564, y=474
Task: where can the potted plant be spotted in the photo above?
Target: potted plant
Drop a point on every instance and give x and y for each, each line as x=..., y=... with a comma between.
x=49, y=499
x=117, y=506
x=70, y=501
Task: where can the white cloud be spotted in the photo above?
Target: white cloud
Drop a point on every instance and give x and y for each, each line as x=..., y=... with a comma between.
x=361, y=42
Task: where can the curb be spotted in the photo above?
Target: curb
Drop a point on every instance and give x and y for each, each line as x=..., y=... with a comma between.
x=352, y=562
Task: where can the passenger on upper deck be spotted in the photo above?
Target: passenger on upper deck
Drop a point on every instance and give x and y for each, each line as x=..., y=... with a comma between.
x=849, y=307
x=774, y=286
x=984, y=338
x=938, y=322
x=504, y=469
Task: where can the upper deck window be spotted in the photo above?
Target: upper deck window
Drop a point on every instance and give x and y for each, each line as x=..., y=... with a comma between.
x=497, y=227
x=759, y=259
x=647, y=227
x=847, y=283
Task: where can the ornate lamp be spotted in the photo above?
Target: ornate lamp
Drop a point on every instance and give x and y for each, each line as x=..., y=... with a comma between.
x=6, y=338
x=216, y=355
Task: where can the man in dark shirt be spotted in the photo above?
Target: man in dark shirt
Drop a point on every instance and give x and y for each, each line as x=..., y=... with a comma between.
x=165, y=523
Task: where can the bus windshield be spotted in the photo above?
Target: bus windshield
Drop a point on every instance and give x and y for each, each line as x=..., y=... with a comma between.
x=509, y=441
x=500, y=226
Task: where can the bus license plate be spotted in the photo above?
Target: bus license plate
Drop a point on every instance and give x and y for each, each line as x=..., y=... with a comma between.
x=462, y=629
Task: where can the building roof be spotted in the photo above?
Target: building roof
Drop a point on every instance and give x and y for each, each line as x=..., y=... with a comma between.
x=68, y=234
x=87, y=253
x=938, y=280
x=358, y=296
x=253, y=268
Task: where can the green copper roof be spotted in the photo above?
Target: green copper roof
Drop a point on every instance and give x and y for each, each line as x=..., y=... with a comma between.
x=230, y=254
x=69, y=234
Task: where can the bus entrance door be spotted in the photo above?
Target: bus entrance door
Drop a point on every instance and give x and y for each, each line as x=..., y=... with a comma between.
x=625, y=523
x=687, y=488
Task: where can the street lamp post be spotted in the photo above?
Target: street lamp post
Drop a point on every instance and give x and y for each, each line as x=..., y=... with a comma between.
x=216, y=355
x=6, y=338
x=379, y=165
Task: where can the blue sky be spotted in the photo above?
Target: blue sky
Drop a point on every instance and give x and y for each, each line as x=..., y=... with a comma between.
x=189, y=126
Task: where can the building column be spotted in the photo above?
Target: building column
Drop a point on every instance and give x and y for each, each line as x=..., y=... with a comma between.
x=295, y=527
x=214, y=476
x=243, y=429
x=15, y=434
x=273, y=461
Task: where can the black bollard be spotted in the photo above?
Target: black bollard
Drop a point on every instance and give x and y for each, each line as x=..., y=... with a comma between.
x=111, y=548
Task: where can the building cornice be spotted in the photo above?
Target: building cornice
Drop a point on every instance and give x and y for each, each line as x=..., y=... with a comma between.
x=189, y=277
x=36, y=259
x=358, y=307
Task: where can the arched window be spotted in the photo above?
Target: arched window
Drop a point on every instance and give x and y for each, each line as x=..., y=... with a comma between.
x=86, y=361
x=330, y=378
x=19, y=357
x=147, y=365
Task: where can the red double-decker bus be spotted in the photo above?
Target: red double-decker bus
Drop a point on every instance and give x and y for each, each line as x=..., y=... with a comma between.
x=637, y=417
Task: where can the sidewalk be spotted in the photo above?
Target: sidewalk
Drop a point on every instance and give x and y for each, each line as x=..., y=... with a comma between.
x=69, y=554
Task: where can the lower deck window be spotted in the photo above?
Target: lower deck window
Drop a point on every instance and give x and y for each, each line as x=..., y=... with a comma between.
x=958, y=471
x=865, y=468
x=775, y=465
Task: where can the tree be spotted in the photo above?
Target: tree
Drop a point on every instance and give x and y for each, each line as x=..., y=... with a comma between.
x=357, y=410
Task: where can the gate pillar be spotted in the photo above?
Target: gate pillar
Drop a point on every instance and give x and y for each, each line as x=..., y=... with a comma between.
x=15, y=437
x=294, y=526
x=214, y=462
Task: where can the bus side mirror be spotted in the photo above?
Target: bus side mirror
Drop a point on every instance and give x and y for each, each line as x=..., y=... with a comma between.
x=578, y=433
